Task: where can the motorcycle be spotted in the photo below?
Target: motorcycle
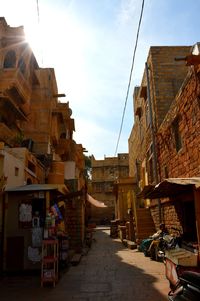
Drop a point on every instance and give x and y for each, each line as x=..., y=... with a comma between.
x=187, y=288
x=167, y=242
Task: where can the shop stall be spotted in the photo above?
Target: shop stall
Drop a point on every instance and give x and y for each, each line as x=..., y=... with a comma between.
x=32, y=214
x=181, y=197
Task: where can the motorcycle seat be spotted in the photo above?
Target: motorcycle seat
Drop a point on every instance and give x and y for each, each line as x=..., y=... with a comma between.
x=192, y=278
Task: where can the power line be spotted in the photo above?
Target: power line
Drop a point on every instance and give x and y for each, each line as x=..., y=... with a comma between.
x=129, y=83
x=38, y=11
x=38, y=21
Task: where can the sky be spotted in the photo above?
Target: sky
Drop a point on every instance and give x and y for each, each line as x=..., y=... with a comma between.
x=90, y=45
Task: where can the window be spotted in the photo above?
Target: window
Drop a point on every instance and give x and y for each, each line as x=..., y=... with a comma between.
x=108, y=187
x=176, y=133
x=98, y=187
x=10, y=60
x=16, y=171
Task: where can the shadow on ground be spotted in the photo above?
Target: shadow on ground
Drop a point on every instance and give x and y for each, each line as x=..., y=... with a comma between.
x=108, y=272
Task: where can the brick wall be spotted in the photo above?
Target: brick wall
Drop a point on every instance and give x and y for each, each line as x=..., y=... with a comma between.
x=185, y=162
x=171, y=216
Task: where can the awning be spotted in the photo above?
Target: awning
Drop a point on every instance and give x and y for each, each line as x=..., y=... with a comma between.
x=170, y=187
x=94, y=202
x=39, y=187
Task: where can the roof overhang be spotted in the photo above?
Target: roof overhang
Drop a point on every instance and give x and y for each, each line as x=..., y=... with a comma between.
x=170, y=187
x=61, y=188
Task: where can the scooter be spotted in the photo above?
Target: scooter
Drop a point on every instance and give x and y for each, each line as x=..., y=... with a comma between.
x=187, y=288
x=167, y=242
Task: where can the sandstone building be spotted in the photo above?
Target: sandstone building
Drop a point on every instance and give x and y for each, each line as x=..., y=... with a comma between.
x=162, y=78
x=164, y=144
x=161, y=81
x=104, y=174
x=39, y=160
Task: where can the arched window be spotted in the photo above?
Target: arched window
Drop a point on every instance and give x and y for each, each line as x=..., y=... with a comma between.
x=10, y=59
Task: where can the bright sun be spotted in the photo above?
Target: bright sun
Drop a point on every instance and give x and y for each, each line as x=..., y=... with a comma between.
x=61, y=45
x=34, y=38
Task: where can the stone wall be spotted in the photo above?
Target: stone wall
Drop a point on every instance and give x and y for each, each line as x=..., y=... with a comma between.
x=166, y=77
x=104, y=174
x=175, y=98
x=75, y=223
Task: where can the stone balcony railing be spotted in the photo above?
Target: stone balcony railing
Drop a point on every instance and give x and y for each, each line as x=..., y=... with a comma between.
x=14, y=83
x=6, y=134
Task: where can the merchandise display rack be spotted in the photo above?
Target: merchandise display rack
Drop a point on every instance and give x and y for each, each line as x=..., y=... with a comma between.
x=49, y=261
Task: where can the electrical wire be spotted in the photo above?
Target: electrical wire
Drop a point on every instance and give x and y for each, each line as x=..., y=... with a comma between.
x=38, y=21
x=129, y=83
x=38, y=11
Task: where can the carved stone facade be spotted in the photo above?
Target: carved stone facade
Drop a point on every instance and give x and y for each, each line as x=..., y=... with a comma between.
x=104, y=174
x=31, y=115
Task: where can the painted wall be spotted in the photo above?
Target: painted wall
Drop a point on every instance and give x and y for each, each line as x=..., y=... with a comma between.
x=13, y=170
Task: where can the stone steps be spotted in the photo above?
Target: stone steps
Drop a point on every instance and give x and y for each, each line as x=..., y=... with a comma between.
x=145, y=226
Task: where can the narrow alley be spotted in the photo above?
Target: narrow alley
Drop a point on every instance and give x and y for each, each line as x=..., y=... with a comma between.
x=109, y=271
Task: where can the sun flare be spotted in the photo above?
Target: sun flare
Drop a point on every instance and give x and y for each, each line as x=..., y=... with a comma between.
x=61, y=47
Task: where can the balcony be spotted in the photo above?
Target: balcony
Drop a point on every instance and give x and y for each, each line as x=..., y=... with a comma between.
x=63, y=109
x=6, y=134
x=8, y=105
x=15, y=85
x=63, y=146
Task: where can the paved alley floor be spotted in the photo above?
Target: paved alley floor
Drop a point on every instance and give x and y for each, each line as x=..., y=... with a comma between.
x=108, y=272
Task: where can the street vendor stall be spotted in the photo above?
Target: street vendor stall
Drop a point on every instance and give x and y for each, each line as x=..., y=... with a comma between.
x=32, y=213
x=184, y=195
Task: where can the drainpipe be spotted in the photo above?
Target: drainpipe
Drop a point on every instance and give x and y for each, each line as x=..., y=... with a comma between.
x=153, y=135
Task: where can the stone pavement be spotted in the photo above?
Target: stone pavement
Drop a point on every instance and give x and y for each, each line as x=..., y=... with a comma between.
x=108, y=272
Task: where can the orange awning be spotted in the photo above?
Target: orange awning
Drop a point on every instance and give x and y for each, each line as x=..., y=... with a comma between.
x=94, y=202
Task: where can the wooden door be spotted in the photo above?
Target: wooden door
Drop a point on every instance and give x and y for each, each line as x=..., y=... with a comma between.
x=15, y=253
